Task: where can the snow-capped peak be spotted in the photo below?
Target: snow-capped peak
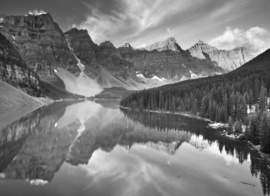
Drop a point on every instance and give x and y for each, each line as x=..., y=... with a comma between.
x=36, y=12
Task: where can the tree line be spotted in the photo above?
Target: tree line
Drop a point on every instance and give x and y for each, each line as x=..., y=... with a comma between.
x=224, y=99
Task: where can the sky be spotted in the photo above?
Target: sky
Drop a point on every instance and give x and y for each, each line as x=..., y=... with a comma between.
x=225, y=24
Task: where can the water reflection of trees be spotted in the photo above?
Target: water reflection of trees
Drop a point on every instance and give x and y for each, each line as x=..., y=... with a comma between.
x=41, y=147
x=259, y=166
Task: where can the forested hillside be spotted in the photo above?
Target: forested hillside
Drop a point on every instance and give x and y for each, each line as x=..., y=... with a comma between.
x=219, y=98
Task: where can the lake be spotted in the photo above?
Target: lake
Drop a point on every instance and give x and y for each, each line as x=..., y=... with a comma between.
x=95, y=148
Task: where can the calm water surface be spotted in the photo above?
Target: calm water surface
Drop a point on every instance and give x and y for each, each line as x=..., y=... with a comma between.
x=90, y=148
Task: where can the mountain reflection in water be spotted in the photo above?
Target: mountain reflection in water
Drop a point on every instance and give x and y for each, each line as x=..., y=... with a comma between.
x=78, y=148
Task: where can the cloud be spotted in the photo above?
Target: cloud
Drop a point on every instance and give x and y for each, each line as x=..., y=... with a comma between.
x=140, y=46
x=130, y=172
x=230, y=10
x=129, y=18
x=145, y=22
x=256, y=39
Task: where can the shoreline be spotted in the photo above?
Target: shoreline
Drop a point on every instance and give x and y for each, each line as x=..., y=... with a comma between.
x=234, y=137
x=11, y=113
x=167, y=112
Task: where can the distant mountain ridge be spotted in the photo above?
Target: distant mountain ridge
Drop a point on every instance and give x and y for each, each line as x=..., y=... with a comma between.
x=227, y=59
x=72, y=62
x=166, y=59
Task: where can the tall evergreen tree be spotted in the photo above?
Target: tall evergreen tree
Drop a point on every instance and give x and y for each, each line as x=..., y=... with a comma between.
x=225, y=104
x=251, y=98
x=254, y=129
x=262, y=99
x=263, y=132
x=230, y=123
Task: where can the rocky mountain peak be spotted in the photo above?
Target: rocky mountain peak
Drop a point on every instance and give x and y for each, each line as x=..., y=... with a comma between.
x=171, y=40
x=201, y=45
x=106, y=44
x=75, y=31
x=168, y=44
x=108, y=48
x=126, y=45
x=82, y=33
x=200, y=42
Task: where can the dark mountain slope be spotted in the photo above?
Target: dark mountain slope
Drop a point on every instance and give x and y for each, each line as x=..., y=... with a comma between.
x=42, y=48
x=14, y=71
x=41, y=44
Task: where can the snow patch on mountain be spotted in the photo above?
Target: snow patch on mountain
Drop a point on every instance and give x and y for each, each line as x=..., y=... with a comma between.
x=107, y=80
x=36, y=12
x=158, y=79
x=81, y=85
x=193, y=75
x=140, y=75
x=155, y=81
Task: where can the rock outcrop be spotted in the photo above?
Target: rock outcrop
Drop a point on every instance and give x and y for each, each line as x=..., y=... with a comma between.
x=41, y=44
x=227, y=59
x=14, y=71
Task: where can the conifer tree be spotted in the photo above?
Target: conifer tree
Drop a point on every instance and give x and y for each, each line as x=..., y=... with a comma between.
x=232, y=105
x=204, y=106
x=263, y=132
x=254, y=129
x=225, y=104
x=262, y=99
x=238, y=126
x=251, y=98
x=230, y=123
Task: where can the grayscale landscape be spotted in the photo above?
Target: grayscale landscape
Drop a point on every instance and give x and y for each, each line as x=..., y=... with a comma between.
x=121, y=97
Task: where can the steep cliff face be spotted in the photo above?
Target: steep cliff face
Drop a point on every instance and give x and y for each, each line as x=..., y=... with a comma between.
x=84, y=48
x=227, y=59
x=167, y=60
x=41, y=44
x=94, y=57
x=14, y=71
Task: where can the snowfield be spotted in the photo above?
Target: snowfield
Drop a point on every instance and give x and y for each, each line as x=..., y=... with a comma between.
x=81, y=85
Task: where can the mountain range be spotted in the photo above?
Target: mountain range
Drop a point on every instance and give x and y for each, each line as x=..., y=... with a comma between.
x=37, y=57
